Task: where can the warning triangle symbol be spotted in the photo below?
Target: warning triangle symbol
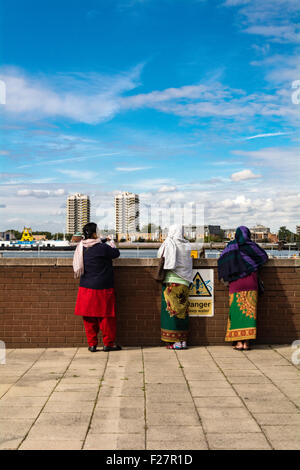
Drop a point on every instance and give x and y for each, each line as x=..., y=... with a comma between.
x=199, y=288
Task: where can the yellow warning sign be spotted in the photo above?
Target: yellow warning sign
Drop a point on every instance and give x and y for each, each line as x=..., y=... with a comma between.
x=201, y=297
x=199, y=288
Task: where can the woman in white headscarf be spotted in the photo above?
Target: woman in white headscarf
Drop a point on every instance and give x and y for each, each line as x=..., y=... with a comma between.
x=175, y=293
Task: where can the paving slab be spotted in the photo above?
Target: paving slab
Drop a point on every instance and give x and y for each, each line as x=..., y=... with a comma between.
x=206, y=391
x=35, y=444
x=171, y=397
x=73, y=396
x=218, y=402
x=117, y=425
x=271, y=405
x=8, y=400
x=238, y=441
x=283, y=437
x=278, y=419
x=244, y=379
x=120, y=402
x=161, y=418
x=115, y=441
x=19, y=412
x=123, y=391
x=258, y=391
x=12, y=432
x=69, y=407
x=221, y=420
x=60, y=426
x=173, y=437
x=16, y=391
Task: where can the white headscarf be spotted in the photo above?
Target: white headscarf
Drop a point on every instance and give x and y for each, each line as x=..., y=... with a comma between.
x=177, y=253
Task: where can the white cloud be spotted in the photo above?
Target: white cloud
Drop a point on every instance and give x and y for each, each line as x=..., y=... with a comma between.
x=150, y=184
x=274, y=19
x=279, y=158
x=167, y=189
x=94, y=101
x=89, y=98
x=280, y=70
x=272, y=134
x=137, y=168
x=40, y=193
x=285, y=33
x=244, y=175
x=79, y=174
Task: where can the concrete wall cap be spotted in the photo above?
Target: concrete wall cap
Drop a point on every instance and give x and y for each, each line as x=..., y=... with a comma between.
x=133, y=262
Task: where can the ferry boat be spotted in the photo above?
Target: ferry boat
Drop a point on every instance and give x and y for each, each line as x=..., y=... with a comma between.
x=27, y=242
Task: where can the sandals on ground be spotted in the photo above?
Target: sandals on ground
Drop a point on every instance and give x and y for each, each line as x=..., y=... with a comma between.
x=172, y=346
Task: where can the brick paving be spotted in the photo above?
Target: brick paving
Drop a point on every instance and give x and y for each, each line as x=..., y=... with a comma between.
x=150, y=398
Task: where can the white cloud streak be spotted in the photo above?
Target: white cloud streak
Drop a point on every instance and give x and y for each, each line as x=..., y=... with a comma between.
x=133, y=169
x=40, y=193
x=244, y=175
x=276, y=20
x=271, y=134
x=79, y=174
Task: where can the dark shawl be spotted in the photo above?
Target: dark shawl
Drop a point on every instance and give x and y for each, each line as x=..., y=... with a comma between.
x=241, y=257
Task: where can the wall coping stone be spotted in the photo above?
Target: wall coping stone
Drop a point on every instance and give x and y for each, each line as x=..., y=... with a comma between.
x=133, y=262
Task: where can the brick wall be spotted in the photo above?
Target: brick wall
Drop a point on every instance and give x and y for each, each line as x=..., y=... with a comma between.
x=37, y=301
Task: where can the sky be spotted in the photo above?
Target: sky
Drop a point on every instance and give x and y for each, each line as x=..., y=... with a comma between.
x=179, y=101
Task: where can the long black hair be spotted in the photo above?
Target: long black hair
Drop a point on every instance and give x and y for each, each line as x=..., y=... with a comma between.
x=89, y=229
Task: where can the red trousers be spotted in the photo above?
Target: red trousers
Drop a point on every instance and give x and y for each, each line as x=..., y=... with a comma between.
x=108, y=326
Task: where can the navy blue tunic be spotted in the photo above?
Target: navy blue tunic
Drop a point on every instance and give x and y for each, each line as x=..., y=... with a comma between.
x=98, y=269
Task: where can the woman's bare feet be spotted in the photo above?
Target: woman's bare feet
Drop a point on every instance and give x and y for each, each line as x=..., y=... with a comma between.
x=246, y=346
x=239, y=346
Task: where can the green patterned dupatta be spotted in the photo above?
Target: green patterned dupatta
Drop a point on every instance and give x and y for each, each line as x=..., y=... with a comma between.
x=174, y=313
x=242, y=316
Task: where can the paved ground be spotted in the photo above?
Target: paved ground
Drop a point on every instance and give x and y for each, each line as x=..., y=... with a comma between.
x=151, y=398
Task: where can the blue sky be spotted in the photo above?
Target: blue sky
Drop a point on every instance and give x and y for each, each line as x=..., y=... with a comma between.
x=178, y=100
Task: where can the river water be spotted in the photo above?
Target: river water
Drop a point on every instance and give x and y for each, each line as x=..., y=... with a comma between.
x=137, y=253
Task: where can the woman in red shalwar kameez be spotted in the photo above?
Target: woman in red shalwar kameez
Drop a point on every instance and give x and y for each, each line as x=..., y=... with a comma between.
x=96, y=297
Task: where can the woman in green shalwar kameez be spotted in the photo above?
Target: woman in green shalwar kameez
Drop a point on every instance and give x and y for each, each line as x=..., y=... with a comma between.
x=175, y=292
x=237, y=267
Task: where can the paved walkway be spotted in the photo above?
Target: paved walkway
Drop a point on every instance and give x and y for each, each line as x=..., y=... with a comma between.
x=152, y=398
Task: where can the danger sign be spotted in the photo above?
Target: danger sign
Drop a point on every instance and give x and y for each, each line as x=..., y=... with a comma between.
x=201, y=298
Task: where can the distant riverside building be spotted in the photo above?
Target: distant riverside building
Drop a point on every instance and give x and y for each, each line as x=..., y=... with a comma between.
x=76, y=238
x=38, y=238
x=272, y=238
x=78, y=212
x=141, y=236
x=7, y=236
x=298, y=229
x=127, y=213
x=213, y=230
x=260, y=232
